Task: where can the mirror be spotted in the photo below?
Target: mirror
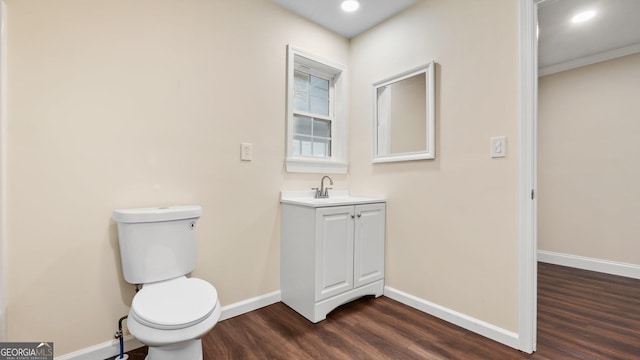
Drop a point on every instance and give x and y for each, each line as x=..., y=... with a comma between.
x=404, y=116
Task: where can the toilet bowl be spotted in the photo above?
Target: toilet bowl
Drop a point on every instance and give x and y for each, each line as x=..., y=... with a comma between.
x=171, y=316
x=171, y=312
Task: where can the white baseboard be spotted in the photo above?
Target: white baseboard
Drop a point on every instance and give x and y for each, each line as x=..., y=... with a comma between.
x=249, y=305
x=464, y=321
x=591, y=264
x=102, y=351
x=111, y=349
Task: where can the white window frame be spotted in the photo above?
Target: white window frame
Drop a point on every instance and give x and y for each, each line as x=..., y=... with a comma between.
x=315, y=65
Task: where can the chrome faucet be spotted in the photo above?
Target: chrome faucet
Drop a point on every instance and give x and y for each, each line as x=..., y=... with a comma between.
x=322, y=192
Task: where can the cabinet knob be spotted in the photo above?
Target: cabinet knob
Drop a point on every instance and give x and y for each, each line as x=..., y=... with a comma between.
x=353, y=216
x=359, y=215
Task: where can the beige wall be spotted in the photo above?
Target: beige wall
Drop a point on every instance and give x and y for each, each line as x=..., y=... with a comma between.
x=116, y=104
x=589, y=161
x=451, y=222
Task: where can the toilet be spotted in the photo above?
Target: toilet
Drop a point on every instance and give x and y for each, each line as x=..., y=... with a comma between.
x=171, y=312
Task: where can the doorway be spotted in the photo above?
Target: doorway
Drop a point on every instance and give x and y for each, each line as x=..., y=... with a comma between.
x=597, y=154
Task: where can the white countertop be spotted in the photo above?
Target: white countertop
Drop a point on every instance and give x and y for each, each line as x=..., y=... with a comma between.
x=336, y=198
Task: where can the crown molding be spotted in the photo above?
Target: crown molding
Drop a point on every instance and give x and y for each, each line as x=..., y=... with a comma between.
x=589, y=60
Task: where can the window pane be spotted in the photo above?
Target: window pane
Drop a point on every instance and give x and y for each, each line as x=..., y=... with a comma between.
x=319, y=99
x=321, y=148
x=319, y=84
x=295, y=147
x=310, y=146
x=319, y=106
x=305, y=147
x=321, y=128
x=301, y=91
x=302, y=125
x=312, y=137
x=310, y=93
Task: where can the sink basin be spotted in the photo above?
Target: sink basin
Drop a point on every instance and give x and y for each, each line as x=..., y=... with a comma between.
x=336, y=198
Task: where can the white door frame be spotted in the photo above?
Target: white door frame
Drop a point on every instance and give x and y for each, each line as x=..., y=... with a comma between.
x=527, y=241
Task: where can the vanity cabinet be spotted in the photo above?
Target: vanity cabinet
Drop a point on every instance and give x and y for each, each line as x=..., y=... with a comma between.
x=331, y=255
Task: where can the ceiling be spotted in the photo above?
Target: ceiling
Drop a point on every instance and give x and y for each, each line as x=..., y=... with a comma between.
x=329, y=14
x=613, y=32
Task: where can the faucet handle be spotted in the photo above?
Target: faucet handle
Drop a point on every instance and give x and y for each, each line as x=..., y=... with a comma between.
x=326, y=192
x=317, y=194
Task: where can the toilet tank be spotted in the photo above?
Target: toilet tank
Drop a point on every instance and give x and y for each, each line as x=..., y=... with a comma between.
x=157, y=243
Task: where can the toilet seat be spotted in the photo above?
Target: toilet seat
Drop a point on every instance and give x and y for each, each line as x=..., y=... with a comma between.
x=174, y=304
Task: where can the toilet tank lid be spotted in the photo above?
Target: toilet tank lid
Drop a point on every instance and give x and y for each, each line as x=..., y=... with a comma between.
x=157, y=214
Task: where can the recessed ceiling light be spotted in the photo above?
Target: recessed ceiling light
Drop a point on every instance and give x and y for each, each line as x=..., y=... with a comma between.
x=350, y=5
x=583, y=16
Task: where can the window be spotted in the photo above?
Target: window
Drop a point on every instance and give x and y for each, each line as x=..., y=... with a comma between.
x=316, y=114
x=311, y=116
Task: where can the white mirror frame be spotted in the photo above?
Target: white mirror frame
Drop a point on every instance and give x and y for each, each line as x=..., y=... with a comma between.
x=430, y=151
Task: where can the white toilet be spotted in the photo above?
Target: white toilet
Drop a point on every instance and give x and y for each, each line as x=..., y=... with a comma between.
x=171, y=312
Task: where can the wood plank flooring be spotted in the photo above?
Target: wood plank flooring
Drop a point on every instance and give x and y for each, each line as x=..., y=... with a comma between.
x=587, y=315
x=581, y=315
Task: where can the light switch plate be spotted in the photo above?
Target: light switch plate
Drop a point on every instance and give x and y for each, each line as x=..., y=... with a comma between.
x=246, y=151
x=498, y=146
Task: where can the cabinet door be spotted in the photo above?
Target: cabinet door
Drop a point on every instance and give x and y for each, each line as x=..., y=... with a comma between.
x=334, y=250
x=369, y=244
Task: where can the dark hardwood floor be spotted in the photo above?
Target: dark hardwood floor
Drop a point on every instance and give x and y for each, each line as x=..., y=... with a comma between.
x=587, y=315
x=581, y=315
